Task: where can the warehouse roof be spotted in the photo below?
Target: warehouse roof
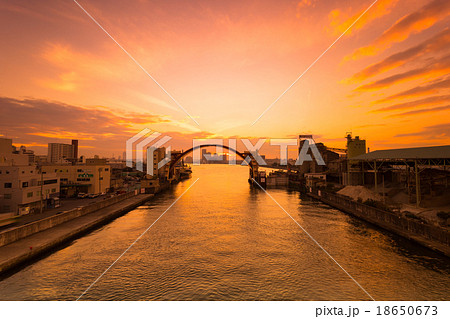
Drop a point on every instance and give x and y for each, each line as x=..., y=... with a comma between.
x=433, y=152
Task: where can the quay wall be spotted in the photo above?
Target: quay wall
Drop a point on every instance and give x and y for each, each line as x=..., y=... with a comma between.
x=16, y=233
x=19, y=253
x=430, y=236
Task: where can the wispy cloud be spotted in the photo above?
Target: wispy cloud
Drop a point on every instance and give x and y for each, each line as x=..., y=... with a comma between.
x=415, y=22
x=437, y=67
x=340, y=21
x=421, y=111
x=422, y=102
x=432, y=131
x=439, y=42
x=425, y=89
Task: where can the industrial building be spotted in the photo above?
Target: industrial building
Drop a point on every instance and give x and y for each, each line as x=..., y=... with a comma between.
x=422, y=172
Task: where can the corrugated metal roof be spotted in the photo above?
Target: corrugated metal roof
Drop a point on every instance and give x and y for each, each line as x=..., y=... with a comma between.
x=433, y=152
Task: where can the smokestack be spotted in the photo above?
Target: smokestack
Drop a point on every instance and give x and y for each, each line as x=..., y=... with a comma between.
x=75, y=149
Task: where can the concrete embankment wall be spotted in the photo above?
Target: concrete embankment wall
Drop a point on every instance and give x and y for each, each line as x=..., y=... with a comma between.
x=14, y=234
x=31, y=248
x=430, y=236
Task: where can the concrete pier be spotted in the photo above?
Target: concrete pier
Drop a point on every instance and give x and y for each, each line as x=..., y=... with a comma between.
x=29, y=248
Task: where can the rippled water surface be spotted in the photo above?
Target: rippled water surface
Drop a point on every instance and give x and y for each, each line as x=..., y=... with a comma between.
x=226, y=241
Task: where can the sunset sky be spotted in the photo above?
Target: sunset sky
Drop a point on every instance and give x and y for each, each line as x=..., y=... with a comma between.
x=225, y=62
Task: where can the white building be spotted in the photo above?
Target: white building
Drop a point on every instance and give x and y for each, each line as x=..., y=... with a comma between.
x=22, y=187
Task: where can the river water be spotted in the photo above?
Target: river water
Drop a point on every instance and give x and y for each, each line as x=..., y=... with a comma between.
x=224, y=240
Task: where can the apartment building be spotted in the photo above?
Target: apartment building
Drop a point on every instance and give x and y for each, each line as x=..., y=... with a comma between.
x=61, y=153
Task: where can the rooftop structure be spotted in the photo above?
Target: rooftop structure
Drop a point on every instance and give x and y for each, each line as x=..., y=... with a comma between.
x=432, y=152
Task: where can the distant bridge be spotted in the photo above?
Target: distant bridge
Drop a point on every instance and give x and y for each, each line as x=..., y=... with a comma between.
x=253, y=165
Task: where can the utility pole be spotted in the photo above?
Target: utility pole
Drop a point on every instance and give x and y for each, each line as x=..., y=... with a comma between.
x=99, y=180
x=417, y=184
x=42, y=188
x=376, y=181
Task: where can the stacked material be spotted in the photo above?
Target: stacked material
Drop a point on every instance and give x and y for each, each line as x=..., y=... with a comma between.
x=362, y=192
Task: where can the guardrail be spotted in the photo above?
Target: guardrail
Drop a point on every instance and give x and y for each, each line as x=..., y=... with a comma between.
x=11, y=235
x=387, y=219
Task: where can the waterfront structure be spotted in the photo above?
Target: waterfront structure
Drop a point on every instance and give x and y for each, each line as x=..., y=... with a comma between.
x=315, y=179
x=62, y=153
x=81, y=178
x=407, y=166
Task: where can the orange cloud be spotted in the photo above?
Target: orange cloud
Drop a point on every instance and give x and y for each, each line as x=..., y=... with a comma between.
x=421, y=111
x=439, y=42
x=41, y=121
x=339, y=21
x=422, y=102
x=428, y=88
x=413, y=23
x=433, y=131
x=437, y=68
x=66, y=82
x=78, y=69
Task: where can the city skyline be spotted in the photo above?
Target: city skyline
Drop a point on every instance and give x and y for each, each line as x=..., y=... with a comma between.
x=225, y=63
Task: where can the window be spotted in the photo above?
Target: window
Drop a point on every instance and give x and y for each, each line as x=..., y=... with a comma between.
x=24, y=184
x=7, y=172
x=30, y=194
x=79, y=170
x=50, y=181
x=106, y=169
x=7, y=196
x=53, y=190
x=38, y=193
x=8, y=185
